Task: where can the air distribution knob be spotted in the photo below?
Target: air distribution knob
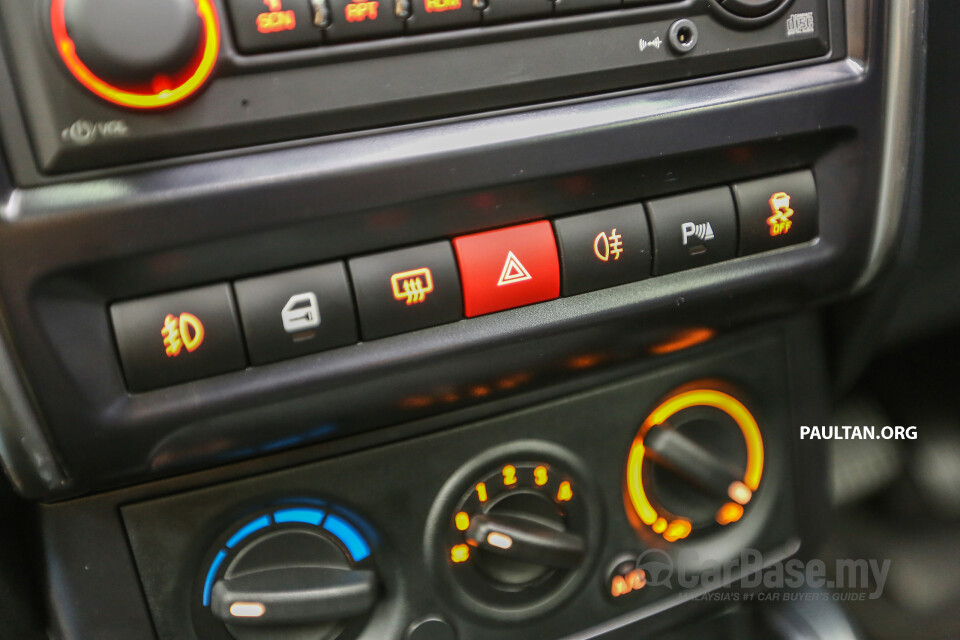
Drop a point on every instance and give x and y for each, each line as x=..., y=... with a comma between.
x=513, y=532
x=141, y=54
x=695, y=464
x=290, y=574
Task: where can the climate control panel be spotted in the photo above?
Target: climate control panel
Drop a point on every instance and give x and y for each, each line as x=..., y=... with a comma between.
x=530, y=520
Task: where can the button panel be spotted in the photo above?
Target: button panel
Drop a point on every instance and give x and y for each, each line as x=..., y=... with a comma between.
x=191, y=334
x=285, y=24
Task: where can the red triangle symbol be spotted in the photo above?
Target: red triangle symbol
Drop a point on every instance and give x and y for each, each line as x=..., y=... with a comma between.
x=513, y=271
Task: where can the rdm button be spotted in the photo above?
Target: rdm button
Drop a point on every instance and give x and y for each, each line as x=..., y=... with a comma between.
x=430, y=15
x=178, y=337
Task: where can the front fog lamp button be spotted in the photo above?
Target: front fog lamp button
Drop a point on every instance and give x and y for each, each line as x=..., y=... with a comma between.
x=178, y=337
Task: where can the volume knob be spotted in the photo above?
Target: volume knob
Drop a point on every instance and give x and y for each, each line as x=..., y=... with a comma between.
x=137, y=53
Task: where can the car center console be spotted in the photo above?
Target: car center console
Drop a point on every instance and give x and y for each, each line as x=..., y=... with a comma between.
x=429, y=319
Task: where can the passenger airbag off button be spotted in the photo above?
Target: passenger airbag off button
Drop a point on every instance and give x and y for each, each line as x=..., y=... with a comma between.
x=777, y=211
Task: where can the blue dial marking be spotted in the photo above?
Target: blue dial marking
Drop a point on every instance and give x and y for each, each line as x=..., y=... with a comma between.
x=306, y=516
x=211, y=574
x=260, y=523
x=349, y=536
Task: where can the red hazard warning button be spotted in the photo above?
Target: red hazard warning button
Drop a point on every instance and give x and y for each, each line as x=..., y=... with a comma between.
x=508, y=268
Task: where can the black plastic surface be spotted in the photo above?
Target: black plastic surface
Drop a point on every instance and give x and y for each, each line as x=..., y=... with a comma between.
x=67, y=251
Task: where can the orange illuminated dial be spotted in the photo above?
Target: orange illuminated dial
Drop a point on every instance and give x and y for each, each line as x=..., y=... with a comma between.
x=138, y=55
x=730, y=487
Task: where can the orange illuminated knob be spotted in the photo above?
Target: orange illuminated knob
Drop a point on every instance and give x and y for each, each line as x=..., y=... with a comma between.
x=141, y=54
x=696, y=462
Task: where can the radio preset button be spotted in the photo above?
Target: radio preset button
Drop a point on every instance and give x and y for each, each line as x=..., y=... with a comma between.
x=363, y=19
x=693, y=230
x=508, y=10
x=573, y=6
x=273, y=25
x=431, y=15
